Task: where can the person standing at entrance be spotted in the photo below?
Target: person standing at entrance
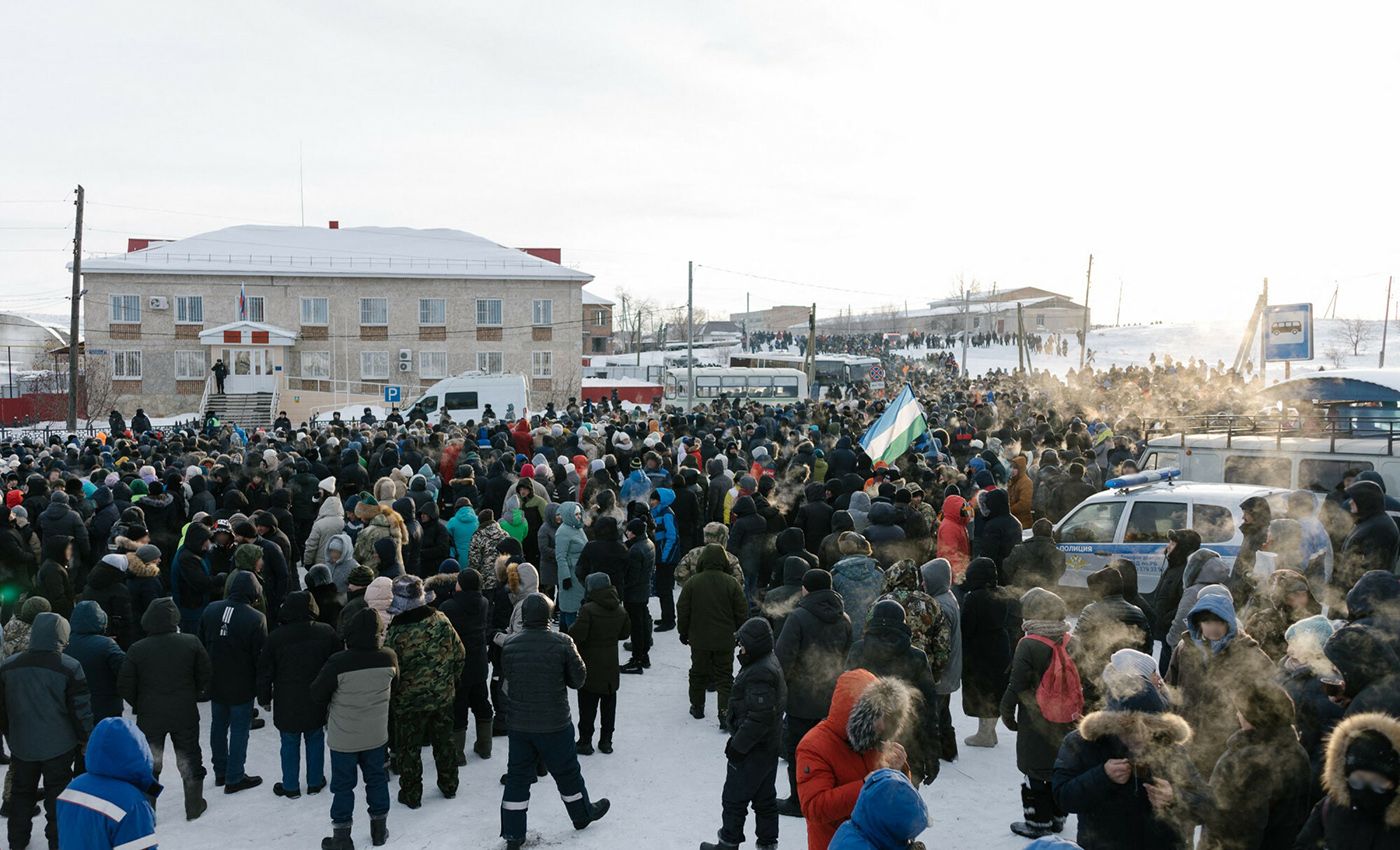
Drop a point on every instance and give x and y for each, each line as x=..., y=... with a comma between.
x=220, y=373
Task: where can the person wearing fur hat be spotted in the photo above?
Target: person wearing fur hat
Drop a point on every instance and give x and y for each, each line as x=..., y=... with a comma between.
x=601, y=623
x=431, y=658
x=1362, y=774
x=1125, y=772
x=1038, y=740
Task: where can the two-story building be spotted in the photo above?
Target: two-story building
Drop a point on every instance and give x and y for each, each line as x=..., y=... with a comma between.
x=311, y=318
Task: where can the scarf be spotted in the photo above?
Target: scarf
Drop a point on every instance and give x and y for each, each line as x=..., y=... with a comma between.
x=1053, y=629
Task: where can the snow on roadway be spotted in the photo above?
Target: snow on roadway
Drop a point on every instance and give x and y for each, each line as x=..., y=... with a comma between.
x=664, y=781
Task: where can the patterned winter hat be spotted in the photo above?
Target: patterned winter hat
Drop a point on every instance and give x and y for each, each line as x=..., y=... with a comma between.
x=360, y=576
x=408, y=594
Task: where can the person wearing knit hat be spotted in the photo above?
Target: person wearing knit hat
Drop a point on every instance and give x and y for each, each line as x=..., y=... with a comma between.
x=431, y=658
x=247, y=557
x=379, y=595
x=327, y=485
x=360, y=577
x=366, y=507
x=602, y=622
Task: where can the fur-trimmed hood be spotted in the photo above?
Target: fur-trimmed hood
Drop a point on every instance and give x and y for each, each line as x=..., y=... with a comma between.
x=886, y=703
x=140, y=569
x=1334, y=775
x=1163, y=728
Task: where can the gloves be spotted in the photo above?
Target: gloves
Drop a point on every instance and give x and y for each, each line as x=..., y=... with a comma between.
x=731, y=753
x=929, y=772
x=567, y=584
x=685, y=641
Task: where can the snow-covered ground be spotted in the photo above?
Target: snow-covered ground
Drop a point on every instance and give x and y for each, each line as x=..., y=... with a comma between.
x=664, y=781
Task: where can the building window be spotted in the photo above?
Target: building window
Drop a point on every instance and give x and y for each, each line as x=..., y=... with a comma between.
x=600, y=317
x=256, y=309
x=542, y=312
x=542, y=364
x=315, y=364
x=600, y=345
x=488, y=312
x=374, y=311
x=1040, y=320
x=189, y=365
x=189, y=309
x=432, y=364
x=432, y=311
x=374, y=365
x=976, y=321
x=315, y=311
x=126, y=365
x=126, y=309
x=490, y=362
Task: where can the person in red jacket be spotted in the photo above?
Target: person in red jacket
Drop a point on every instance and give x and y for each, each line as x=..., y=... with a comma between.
x=835, y=757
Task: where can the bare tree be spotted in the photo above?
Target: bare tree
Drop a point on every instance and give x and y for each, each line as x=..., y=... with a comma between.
x=1336, y=355
x=1358, y=332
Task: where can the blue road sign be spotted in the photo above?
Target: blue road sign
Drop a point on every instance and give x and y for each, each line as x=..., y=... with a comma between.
x=1288, y=332
x=393, y=395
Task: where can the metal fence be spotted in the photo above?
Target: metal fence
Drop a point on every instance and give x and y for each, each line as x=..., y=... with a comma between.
x=41, y=433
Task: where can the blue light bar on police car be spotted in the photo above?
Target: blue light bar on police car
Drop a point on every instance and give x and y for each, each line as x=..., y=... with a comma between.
x=1142, y=478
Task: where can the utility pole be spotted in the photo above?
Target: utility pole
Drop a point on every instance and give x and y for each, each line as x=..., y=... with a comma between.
x=638, y=318
x=1264, y=333
x=1084, y=339
x=746, y=320
x=689, y=336
x=1118, y=317
x=1385, y=326
x=967, y=318
x=811, y=360
x=73, y=305
x=1020, y=340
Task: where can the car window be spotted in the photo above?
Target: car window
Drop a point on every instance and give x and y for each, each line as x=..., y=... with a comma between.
x=1319, y=474
x=1260, y=471
x=429, y=403
x=1149, y=522
x=1214, y=523
x=461, y=401
x=1161, y=460
x=1092, y=523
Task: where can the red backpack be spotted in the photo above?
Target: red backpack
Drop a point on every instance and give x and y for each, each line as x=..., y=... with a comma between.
x=1060, y=695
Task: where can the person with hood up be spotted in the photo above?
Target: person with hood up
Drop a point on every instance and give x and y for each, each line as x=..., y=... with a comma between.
x=163, y=677
x=1108, y=624
x=779, y=601
x=885, y=535
x=354, y=686
x=1368, y=668
x=851, y=742
x=101, y=657
x=47, y=716
x=689, y=566
x=144, y=584
x=1284, y=598
x=340, y=558
x=600, y=625
x=815, y=516
x=191, y=585
x=540, y=667
x=998, y=533
x=605, y=553
x=991, y=623
x=1203, y=568
x=569, y=543
x=1181, y=544
x=59, y=519
x=1373, y=541
x=109, y=806
x=1261, y=782
x=321, y=585
x=234, y=633
x=755, y=723
x=1300, y=674
x=858, y=579
x=387, y=554
x=1124, y=771
x=106, y=586
x=885, y=650
x=668, y=551
x=436, y=541
x=829, y=550
x=546, y=542
x=859, y=509
x=1212, y=664
x=937, y=577
x=749, y=542
x=953, y=543
x=640, y=567
x=290, y=660
x=1036, y=561
x=889, y=815
x=1361, y=778
x=1020, y=492
x=54, y=581
x=710, y=610
x=462, y=525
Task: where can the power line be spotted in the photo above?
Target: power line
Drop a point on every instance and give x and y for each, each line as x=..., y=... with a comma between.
x=798, y=282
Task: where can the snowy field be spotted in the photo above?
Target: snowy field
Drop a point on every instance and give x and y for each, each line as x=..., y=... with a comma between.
x=664, y=780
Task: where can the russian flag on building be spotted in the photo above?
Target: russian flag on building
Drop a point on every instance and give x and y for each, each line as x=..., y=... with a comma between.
x=242, y=302
x=896, y=429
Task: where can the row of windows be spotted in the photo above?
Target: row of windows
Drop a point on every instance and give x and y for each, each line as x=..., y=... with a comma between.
x=189, y=310
x=374, y=365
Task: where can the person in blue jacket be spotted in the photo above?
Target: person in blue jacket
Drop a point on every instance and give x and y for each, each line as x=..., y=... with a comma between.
x=109, y=806
x=668, y=552
x=462, y=525
x=889, y=815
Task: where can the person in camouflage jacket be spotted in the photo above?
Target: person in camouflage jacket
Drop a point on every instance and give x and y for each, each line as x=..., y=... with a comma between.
x=431, y=658
x=482, y=552
x=715, y=532
x=929, y=628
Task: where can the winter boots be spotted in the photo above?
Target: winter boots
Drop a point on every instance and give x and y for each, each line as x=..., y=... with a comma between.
x=1042, y=817
x=339, y=839
x=243, y=784
x=605, y=745
x=280, y=791
x=378, y=831
x=459, y=746
x=584, y=747
x=483, y=738
x=636, y=665
x=790, y=807
x=195, y=804
x=986, y=733
x=718, y=845
x=595, y=813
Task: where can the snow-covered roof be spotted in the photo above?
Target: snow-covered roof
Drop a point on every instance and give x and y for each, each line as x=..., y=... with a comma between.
x=1360, y=385
x=594, y=298
x=255, y=249
x=55, y=329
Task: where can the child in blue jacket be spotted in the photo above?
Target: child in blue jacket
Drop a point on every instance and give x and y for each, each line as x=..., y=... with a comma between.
x=110, y=805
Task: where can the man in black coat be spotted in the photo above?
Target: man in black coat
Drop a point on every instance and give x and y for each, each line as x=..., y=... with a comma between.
x=636, y=589
x=1107, y=625
x=720, y=483
x=60, y=519
x=998, y=533
x=812, y=650
x=106, y=585
x=190, y=582
x=162, y=679
x=290, y=660
x=234, y=632
x=886, y=534
x=885, y=650
x=1369, y=668
x=436, y=544
x=755, y=721
x=1373, y=542
x=1037, y=561
x=604, y=553
x=469, y=612
x=540, y=667
x=814, y=517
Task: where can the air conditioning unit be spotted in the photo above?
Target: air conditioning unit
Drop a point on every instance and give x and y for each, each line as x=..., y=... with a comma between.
x=405, y=355
x=159, y=302
x=405, y=366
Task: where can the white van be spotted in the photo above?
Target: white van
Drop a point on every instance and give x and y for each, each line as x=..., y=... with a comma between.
x=465, y=396
x=1132, y=522
x=1299, y=463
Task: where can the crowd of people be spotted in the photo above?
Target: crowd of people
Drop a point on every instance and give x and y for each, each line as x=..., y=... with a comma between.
x=378, y=588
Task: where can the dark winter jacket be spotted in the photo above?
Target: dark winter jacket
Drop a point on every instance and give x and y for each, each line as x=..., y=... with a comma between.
x=885, y=650
x=859, y=580
x=59, y=520
x=193, y=586
x=991, y=623
x=886, y=536
x=601, y=623
x=748, y=538
x=45, y=710
x=437, y=541
x=755, y=715
x=780, y=601
x=469, y=612
x=605, y=553
x=100, y=656
x=106, y=585
x=641, y=565
x=829, y=549
x=54, y=581
x=354, y=686
x=1170, y=584
x=1369, y=667
x=814, y=517
x=234, y=633
x=1037, y=739
x=1340, y=820
x=1372, y=544
x=812, y=647
x=1261, y=793
x=145, y=585
x=998, y=533
x=1315, y=716
x=711, y=606
x=165, y=673
x=1037, y=562
x=290, y=660
x=538, y=668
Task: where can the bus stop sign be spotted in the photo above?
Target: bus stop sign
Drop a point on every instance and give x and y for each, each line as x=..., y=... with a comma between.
x=1288, y=332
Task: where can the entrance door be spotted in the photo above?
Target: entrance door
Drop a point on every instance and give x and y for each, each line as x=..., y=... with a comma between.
x=249, y=370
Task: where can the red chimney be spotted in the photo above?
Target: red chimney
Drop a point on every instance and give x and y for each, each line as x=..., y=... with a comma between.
x=335, y=225
x=549, y=255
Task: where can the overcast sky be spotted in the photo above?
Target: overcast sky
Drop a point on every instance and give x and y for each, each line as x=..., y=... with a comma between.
x=869, y=152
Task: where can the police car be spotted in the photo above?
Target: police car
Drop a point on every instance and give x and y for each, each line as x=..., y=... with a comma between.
x=1132, y=517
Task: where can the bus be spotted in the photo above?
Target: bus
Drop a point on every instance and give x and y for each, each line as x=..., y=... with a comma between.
x=832, y=369
x=766, y=386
